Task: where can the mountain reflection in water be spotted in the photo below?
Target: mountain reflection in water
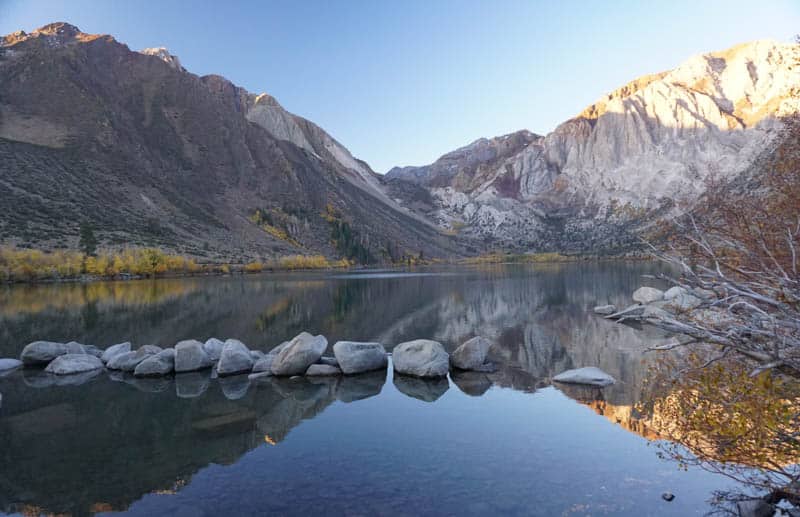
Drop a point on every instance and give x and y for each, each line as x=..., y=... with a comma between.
x=100, y=442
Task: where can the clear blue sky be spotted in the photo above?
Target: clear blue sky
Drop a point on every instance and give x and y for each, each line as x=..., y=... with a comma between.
x=400, y=83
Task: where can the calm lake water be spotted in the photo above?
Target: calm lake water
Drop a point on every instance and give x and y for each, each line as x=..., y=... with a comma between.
x=474, y=444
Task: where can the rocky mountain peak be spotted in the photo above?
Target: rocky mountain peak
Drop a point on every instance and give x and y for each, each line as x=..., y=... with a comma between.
x=163, y=54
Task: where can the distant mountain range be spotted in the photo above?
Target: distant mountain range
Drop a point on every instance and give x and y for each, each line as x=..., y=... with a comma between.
x=149, y=154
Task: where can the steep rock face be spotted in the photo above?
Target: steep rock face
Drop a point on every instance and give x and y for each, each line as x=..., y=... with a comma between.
x=626, y=159
x=153, y=155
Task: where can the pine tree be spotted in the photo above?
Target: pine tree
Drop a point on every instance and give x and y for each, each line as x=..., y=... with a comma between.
x=88, y=242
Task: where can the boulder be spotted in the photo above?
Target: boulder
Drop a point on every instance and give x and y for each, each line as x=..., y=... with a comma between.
x=427, y=390
x=162, y=363
x=213, y=347
x=672, y=292
x=322, y=370
x=9, y=364
x=605, y=310
x=421, y=358
x=754, y=508
x=589, y=375
x=301, y=352
x=115, y=350
x=235, y=359
x=704, y=294
x=278, y=349
x=93, y=350
x=128, y=361
x=356, y=357
x=190, y=357
x=42, y=352
x=682, y=302
x=151, y=349
x=257, y=355
x=471, y=354
x=648, y=295
x=259, y=375
x=264, y=364
x=330, y=361
x=69, y=364
x=655, y=311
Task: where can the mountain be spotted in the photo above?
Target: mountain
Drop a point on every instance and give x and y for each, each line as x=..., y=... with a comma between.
x=641, y=153
x=149, y=154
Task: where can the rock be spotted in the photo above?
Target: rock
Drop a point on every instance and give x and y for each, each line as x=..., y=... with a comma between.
x=93, y=350
x=704, y=294
x=672, y=292
x=235, y=359
x=330, y=361
x=471, y=383
x=361, y=386
x=667, y=496
x=259, y=375
x=421, y=358
x=191, y=384
x=257, y=355
x=115, y=350
x=357, y=357
x=425, y=389
x=322, y=370
x=264, y=364
x=213, y=347
x=605, y=310
x=654, y=311
x=754, y=508
x=9, y=364
x=69, y=364
x=190, y=357
x=42, y=352
x=151, y=349
x=588, y=375
x=234, y=388
x=471, y=354
x=682, y=302
x=278, y=349
x=162, y=363
x=647, y=295
x=301, y=352
x=128, y=361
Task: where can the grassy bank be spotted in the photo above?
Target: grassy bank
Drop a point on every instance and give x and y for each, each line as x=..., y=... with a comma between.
x=27, y=265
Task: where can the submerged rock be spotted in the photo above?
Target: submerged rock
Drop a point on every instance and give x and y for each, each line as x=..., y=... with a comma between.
x=190, y=357
x=358, y=357
x=115, y=350
x=322, y=370
x=42, y=352
x=471, y=354
x=648, y=295
x=69, y=364
x=588, y=375
x=162, y=363
x=301, y=352
x=421, y=358
x=425, y=389
x=234, y=359
x=213, y=347
x=605, y=310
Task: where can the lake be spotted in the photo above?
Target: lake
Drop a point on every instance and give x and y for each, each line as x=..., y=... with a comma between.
x=506, y=443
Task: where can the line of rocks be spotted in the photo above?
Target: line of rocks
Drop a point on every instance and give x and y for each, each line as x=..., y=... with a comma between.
x=655, y=304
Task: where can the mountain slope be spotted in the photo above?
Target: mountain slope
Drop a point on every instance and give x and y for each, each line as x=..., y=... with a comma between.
x=626, y=160
x=150, y=154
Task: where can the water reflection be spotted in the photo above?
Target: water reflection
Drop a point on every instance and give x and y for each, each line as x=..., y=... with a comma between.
x=126, y=437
